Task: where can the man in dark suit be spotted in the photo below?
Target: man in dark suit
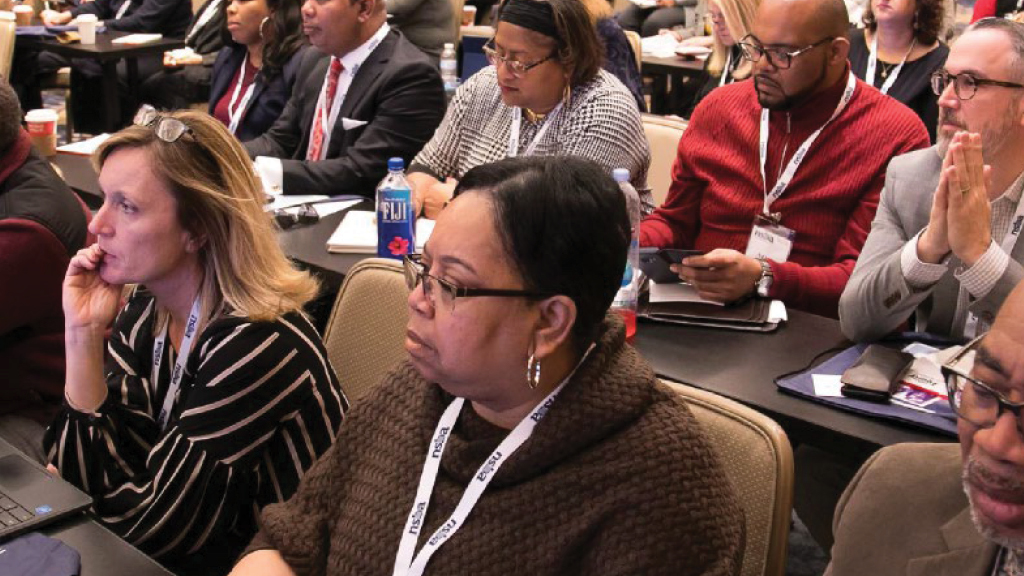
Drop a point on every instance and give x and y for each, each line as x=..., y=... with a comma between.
x=364, y=94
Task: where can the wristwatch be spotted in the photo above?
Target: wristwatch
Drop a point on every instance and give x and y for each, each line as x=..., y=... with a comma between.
x=764, y=282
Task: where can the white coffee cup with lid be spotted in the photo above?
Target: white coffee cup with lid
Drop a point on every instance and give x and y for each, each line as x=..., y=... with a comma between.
x=42, y=129
x=23, y=14
x=87, y=28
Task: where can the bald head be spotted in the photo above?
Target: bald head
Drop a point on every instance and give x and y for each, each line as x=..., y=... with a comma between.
x=812, y=17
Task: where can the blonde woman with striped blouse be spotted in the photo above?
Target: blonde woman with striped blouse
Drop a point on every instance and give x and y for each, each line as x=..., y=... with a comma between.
x=217, y=393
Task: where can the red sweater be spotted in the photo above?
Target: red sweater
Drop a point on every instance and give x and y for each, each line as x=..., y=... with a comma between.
x=717, y=189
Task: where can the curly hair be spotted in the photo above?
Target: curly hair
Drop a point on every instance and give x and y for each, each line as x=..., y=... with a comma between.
x=927, y=20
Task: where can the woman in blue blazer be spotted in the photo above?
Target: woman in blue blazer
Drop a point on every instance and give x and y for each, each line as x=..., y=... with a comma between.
x=254, y=72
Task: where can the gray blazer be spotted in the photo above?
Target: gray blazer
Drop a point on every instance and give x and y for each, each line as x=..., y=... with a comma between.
x=877, y=299
x=905, y=514
x=426, y=23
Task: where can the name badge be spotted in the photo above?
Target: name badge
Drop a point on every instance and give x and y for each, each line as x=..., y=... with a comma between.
x=770, y=240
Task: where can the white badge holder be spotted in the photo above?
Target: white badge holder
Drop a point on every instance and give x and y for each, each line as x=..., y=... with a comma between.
x=770, y=240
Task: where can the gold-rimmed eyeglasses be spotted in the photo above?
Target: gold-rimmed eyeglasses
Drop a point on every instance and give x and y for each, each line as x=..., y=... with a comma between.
x=166, y=128
x=517, y=68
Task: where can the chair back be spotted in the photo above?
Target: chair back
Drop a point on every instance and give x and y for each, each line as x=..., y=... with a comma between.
x=366, y=332
x=758, y=461
x=663, y=136
x=457, y=6
x=7, y=37
x=634, y=43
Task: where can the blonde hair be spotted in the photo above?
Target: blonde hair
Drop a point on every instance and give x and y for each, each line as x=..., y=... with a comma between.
x=220, y=203
x=739, y=18
x=598, y=9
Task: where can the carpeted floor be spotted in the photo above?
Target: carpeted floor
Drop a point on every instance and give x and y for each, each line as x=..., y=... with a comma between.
x=805, y=557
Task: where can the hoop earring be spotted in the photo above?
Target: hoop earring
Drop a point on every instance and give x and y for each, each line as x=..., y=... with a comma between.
x=262, y=22
x=532, y=372
x=566, y=94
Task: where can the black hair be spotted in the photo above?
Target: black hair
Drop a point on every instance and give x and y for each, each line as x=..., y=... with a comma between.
x=283, y=30
x=563, y=223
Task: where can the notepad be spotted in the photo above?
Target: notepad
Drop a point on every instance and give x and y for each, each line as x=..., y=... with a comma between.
x=85, y=147
x=357, y=233
x=135, y=39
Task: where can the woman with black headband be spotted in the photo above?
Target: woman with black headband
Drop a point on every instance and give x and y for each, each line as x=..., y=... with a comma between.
x=545, y=95
x=522, y=436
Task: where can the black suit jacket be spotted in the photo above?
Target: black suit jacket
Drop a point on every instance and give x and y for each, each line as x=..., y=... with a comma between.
x=397, y=92
x=209, y=39
x=168, y=17
x=268, y=98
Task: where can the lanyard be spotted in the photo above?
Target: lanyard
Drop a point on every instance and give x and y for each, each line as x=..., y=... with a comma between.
x=179, y=364
x=206, y=16
x=237, y=109
x=801, y=153
x=513, y=136
x=727, y=71
x=122, y=9
x=869, y=76
x=405, y=564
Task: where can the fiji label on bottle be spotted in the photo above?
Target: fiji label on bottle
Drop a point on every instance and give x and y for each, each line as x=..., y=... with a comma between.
x=396, y=224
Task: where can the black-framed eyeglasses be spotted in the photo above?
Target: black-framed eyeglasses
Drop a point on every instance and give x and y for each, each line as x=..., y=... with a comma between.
x=290, y=217
x=442, y=293
x=167, y=129
x=517, y=68
x=971, y=399
x=965, y=85
x=781, y=58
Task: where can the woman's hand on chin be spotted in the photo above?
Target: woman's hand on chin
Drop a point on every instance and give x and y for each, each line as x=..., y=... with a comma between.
x=89, y=301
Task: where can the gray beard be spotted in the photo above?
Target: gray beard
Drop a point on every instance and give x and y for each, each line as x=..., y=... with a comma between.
x=989, y=532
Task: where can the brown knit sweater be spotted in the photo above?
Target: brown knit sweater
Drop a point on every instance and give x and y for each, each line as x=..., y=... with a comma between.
x=616, y=479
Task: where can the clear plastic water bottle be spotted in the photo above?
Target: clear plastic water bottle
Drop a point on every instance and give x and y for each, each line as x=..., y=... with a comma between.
x=449, y=70
x=625, y=302
x=396, y=222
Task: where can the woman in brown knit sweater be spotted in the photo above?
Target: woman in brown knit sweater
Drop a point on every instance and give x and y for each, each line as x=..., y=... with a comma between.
x=604, y=470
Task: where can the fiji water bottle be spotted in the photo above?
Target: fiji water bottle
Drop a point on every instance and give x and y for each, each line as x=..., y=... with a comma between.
x=625, y=302
x=449, y=70
x=396, y=223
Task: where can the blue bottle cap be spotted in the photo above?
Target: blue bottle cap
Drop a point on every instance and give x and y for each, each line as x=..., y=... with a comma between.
x=620, y=175
x=396, y=164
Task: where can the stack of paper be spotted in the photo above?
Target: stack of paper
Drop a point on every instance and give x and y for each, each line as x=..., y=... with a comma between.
x=357, y=233
x=135, y=39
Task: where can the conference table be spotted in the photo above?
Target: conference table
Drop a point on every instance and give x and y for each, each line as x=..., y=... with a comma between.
x=107, y=54
x=739, y=365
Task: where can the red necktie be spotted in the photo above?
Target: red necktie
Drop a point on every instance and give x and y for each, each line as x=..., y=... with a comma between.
x=316, y=143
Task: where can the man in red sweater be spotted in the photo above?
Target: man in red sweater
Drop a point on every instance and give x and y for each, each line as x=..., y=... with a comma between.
x=792, y=229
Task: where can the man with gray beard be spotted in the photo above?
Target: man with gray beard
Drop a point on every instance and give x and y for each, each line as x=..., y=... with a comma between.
x=944, y=509
x=943, y=252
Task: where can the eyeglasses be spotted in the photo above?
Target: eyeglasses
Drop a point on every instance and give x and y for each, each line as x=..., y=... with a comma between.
x=443, y=294
x=780, y=58
x=290, y=218
x=965, y=85
x=167, y=129
x=517, y=68
x=972, y=399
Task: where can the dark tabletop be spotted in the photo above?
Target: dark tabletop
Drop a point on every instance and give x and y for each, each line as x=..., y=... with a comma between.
x=103, y=552
x=103, y=49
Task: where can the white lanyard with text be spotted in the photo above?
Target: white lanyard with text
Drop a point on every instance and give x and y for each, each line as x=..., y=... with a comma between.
x=237, y=109
x=869, y=76
x=405, y=563
x=179, y=364
x=798, y=157
x=1008, y=244
x=727, y=71
x=122, y=9
x=517, y=120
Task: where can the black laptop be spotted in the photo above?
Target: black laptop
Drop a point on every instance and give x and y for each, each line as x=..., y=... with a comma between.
x=31, y=497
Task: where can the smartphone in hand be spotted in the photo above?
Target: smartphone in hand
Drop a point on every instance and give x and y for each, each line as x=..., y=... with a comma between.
x=655, y=262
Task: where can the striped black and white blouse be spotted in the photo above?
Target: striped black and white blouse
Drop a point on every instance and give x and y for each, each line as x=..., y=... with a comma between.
x=258, y=404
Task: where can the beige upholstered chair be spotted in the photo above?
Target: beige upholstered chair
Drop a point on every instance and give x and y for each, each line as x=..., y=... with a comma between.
x=663, y=137
x=758, y=461
x=634, y=43
x=366, y=333
x=6, y=51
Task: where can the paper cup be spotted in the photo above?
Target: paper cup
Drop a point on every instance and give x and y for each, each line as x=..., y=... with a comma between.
x=42, y=129
x=468, y=15
x=23, y=14
x=87, y=28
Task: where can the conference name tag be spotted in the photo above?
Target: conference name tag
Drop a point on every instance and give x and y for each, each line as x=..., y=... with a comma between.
x=770, y=240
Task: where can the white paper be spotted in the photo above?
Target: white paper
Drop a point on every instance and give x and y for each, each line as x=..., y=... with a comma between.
x=85, y=147
x=676, y=292
x=777, y=312
x=660, y=46
x=357, y=233
x=827, y=385
x=133, y=39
